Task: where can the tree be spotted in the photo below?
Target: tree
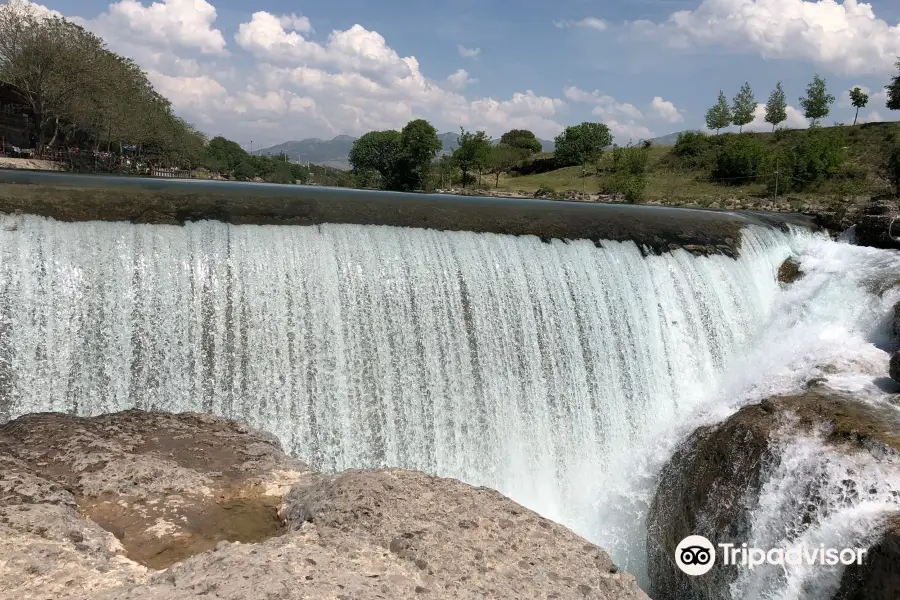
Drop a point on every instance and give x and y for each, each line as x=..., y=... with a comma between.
x=523, y=140
x=419, y=145
x=630, y=171
x=719, y=116
x=473, y=153
x=377, y=151
x=893, y=92
x=581, y=144
x=504, y=157
x=859, y=99
x=776, y=107
x=817, y=103
x=744, y=107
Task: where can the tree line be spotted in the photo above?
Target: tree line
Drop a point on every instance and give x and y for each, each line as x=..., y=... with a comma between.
x=816, y=104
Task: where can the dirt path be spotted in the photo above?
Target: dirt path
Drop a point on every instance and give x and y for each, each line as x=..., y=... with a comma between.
x=31, y=164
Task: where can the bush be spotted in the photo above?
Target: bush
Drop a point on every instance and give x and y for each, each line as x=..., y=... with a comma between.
x=630, y=172
x=739, y=159
x=893, y=167
x=692, y=150
x=244, y=171
x=282, y=173
x=812, y=158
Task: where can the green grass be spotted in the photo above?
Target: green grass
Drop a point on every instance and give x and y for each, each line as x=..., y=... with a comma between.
x=866, y=145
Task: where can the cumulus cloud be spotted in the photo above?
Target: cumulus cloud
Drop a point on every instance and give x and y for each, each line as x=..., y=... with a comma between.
x=587, y=22
x=665, y=110
x=166, y=24
x=468, y=52
x=846, y=38
x=605, y=106
x=795, y=120
x=460, y=79
x=629, y=130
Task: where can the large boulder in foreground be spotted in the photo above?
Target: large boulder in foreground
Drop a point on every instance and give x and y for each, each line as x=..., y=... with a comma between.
x=712, y=485
x=149, y=506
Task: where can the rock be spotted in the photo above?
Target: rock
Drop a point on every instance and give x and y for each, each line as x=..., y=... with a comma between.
x=710, y=484
x=879, y=224
x=878, y=578
x=895, y=366
x=895, y=324
x=153, y=506
x=789, y=271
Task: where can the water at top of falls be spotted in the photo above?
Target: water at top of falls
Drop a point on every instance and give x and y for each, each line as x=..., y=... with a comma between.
x=560, y=374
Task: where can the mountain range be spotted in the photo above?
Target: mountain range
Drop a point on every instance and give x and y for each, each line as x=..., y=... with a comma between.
x=334, y=152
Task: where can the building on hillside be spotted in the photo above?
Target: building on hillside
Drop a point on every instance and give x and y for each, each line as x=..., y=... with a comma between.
x=15, y=119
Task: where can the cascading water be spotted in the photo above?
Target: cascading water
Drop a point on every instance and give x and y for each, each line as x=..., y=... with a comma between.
x=551, y=372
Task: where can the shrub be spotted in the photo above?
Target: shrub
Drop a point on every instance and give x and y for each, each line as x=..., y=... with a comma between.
x=738, y=160
x=692, y=149
x=893, y=167
x=630, y=172
x=244, y=171
x=282, y=173
x=812, y=158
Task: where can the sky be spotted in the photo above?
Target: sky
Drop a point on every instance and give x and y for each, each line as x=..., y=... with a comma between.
x=270, y=71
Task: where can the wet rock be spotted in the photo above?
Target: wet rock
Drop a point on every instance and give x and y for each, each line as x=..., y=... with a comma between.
x=712, y=482
x=152, y=506
x=878, y=578
x=789, y=271
x=879, y=224
x=895, y=366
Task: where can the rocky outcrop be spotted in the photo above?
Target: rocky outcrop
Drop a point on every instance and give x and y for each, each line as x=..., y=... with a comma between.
x=879, y=224
x=711, y=485
x=789, y=271
x=895, y=366
x=146, y=506
x=878, y=578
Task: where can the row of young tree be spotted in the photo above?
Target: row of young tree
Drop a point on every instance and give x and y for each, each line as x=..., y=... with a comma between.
x=816, y=104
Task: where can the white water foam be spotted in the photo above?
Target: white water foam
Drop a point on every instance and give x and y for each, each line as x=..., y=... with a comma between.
x=555, y=373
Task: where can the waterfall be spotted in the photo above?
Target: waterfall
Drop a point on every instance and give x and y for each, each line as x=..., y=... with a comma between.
x=546, y=371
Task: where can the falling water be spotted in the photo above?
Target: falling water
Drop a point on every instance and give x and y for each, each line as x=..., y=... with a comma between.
x=545, y=371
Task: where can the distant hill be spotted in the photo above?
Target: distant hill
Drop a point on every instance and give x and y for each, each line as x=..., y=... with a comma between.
x=667, y=140
x=334, y=152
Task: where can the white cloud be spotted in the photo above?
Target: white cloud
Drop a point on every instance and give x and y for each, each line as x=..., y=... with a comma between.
x=872, y=117
x=846, y=38
x=294, y=23
x=629, y=131
x=460, y=79
x=587, y=22
x=468, y=52
x=162, y=25
x=606, y=106
x=795, y=120
x=663, y=109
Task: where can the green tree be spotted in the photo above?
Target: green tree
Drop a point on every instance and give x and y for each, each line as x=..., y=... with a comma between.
x=893, y=92
x=523, y=140
x=776, y=107
x=817, y=103
x=743, y=110
x=719, y=116
x=503, y=158
x=859, y=99
x=581, y=144
x=419, y=145
x=377, y=151
x=738, y=160
x=224, y=155
x=244, y=171
x=473, y=153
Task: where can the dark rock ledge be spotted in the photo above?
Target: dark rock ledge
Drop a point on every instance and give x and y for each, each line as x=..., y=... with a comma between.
x=152, y=506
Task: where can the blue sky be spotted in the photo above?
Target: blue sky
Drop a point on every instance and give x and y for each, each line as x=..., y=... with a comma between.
x=271, y=70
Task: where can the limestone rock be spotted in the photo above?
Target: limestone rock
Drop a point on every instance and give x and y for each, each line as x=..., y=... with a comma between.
x=712, y=482
x=152, y=506
x=789, y=271
x=879, y=224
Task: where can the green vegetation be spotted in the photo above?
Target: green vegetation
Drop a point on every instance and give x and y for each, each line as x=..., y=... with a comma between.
x=396, y=160
x=744, y=108
x=893, y=91
x=719, y=116
x=817, y=102
x=522, y=139
x=629, y=172
x=859, y=99
x=582, y=144
x=776, y=107
x=473, y=153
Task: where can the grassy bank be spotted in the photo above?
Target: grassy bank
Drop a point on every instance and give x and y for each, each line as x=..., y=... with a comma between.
x=672, y=180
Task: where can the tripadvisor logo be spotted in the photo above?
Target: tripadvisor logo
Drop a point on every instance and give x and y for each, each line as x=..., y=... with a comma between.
x=695, y=555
